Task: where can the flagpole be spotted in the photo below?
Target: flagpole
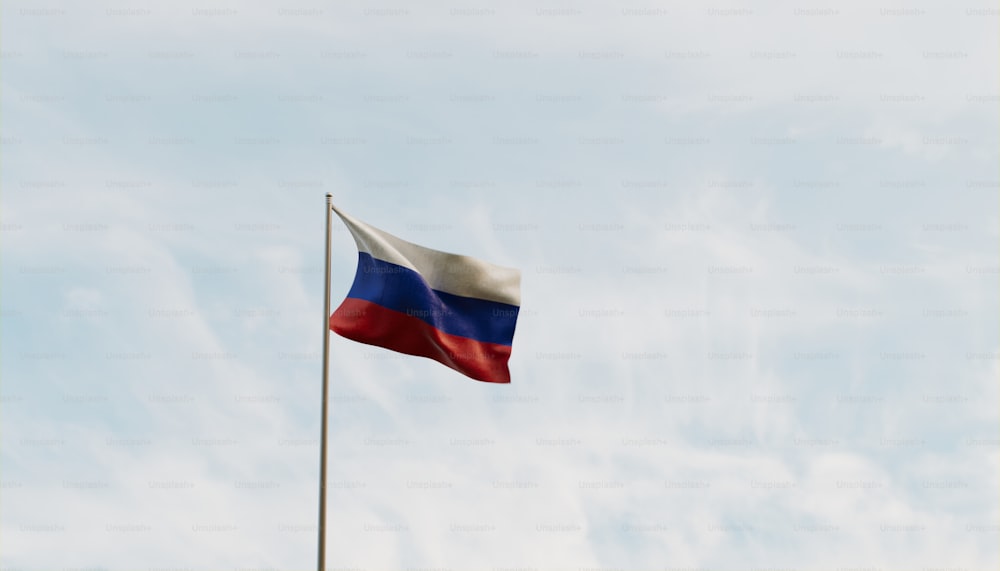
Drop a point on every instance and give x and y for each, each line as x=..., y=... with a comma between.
x=321, y=565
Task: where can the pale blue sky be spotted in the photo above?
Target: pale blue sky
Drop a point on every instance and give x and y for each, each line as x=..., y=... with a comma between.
x=760, y=276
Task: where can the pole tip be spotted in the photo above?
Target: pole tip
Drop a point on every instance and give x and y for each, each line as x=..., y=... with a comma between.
x=329, y=195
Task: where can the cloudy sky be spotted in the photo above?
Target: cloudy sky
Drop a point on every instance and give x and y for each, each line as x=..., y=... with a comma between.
x=759, y=299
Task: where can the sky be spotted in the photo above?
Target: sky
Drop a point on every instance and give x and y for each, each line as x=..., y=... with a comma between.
x=759, y=255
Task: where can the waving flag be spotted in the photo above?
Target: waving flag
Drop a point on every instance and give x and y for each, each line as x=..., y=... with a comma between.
x=454, y=309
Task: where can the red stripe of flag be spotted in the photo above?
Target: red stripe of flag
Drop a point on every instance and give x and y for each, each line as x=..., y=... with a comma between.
x=370, y=323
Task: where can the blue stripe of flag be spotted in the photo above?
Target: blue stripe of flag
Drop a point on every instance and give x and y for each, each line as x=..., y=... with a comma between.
x=401, y=289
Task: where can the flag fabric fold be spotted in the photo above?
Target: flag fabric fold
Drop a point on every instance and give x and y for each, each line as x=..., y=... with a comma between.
x=457, y=310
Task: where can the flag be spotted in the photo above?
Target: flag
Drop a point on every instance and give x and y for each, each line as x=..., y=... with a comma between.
x=454, y=309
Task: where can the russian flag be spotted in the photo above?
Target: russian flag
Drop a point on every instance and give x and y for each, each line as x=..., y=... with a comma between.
x=454, y=309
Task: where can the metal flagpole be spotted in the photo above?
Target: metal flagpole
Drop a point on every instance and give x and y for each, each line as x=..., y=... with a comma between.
x=321, y=566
